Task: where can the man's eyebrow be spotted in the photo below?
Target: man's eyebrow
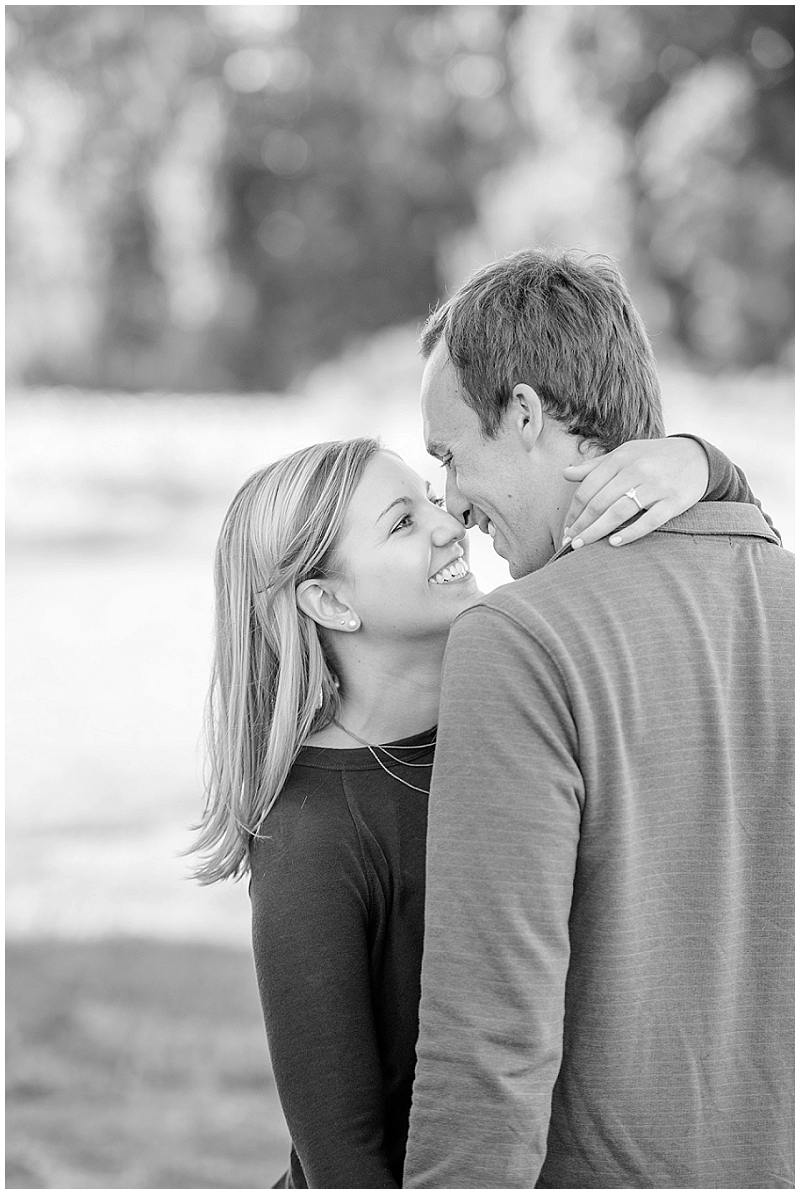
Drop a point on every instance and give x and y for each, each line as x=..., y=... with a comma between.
x=437, y=450
x=400, y=501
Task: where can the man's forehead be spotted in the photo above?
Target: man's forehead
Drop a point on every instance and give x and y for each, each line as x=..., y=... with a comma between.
x=442, y=407
x=436, y=427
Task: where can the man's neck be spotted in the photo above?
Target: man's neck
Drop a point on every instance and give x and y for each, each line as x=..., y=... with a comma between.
x=563, y=449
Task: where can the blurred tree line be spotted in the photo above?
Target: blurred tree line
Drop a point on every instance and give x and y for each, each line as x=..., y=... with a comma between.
x=220, y=197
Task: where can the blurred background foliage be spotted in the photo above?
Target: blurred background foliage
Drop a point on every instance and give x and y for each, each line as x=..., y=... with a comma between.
x=219, y=198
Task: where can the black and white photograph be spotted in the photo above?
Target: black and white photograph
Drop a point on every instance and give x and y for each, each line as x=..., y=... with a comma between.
x=400, y=607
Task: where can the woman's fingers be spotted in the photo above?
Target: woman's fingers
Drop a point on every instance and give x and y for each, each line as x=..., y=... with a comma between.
x=576, y=472
x=651, y=520
x=602, y=516
x=598, y=508
x=666, y=476
x=594, y=475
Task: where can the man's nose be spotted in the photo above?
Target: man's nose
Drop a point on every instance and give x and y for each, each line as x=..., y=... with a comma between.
x=457, y=504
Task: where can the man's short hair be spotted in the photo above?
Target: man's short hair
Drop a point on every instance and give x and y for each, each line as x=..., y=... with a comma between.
x=564, y=324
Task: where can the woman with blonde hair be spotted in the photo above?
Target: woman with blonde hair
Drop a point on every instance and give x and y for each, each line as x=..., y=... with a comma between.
x=338, y=575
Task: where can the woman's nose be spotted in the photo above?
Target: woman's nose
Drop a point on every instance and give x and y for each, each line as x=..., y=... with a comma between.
x=447, y=529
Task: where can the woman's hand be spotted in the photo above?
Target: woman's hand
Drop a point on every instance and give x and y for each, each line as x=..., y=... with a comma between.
x=667, y=475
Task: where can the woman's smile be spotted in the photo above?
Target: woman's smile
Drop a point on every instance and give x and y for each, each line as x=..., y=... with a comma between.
x=451, y=573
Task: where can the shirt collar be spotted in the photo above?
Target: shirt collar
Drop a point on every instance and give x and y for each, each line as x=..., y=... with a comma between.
x=708, y=518
x=721, y=518
x=562, y=551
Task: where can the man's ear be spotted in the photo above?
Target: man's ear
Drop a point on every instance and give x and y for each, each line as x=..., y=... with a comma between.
x=318, y=599
x=526, y=414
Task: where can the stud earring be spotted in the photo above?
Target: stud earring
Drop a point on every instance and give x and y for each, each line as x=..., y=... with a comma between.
x=352, y=623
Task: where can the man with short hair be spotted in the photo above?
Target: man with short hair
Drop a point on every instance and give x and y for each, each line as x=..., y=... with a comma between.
x=607, y=979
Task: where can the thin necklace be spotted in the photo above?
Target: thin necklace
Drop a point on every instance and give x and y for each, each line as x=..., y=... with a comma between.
x=363, y=741
x=382, y=765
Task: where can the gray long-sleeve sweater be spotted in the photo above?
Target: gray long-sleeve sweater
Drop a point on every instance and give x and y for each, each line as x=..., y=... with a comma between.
x=607, y=975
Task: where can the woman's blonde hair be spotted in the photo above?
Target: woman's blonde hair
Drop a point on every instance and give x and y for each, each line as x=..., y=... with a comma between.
x=273, y=683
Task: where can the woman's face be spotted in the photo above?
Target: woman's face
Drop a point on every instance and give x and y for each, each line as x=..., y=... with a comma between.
x=403, y=557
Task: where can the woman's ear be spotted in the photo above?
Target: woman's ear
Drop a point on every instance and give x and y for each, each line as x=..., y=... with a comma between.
x=318, y=599
x=526, y=412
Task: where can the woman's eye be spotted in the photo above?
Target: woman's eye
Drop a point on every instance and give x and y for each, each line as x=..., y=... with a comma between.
x=404, y=522
x=436, y=501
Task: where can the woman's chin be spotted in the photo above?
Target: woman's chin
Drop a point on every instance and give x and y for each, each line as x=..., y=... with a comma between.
x=466, y=596
x=474, y=596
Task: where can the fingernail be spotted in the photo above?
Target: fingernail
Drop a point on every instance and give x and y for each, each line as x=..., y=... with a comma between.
x=576, y=543
x=615, y=540
x=566, y=539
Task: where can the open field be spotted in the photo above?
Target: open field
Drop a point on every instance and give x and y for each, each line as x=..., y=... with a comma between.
x=133, y=1064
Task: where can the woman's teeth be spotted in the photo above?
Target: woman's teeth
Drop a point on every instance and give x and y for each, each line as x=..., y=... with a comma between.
x=490, y=528
x=454, y=571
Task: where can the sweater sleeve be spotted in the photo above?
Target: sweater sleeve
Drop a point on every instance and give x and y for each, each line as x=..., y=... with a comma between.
x=311, y=894
x=726, y=481
x=504, y=823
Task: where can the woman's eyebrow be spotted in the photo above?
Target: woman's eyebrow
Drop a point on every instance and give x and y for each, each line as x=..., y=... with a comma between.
x=400, y=501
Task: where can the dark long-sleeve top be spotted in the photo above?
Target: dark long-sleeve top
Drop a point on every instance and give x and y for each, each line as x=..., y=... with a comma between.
x=337, y=890
x=726, y=481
